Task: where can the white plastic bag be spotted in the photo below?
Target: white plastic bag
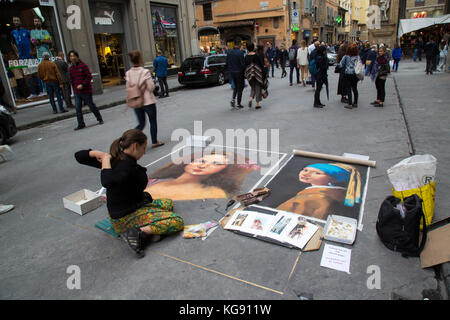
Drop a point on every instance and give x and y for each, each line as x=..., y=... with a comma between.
x=412, y=173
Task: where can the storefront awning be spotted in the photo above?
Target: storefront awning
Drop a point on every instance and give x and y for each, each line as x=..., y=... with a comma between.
x=410, y=25
x=208, y=31
x=235, y=24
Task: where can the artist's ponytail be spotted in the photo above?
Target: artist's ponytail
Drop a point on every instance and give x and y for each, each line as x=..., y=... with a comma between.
x=124, y=142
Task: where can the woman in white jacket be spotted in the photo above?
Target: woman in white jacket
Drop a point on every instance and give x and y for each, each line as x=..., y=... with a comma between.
x=302, y=61
x=135, y=74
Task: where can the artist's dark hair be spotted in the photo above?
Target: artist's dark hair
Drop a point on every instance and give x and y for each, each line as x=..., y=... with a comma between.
x=125, y=141
x=74, y=52
x=250, y=46
x=229, y=180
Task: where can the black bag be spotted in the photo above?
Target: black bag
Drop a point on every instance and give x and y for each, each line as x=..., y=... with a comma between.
x=398, y=233
x=337, y=69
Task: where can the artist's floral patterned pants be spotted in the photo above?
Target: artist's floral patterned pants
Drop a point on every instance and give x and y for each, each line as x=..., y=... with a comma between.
x=158, y=215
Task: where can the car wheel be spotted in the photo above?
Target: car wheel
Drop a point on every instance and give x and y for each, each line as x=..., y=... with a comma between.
x=221, y=79
x=3, y=136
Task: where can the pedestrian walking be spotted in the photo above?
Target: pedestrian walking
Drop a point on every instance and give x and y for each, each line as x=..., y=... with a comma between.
x=348, y=64
x=293, y=62
x=302, y=61
x=396, y=57
x=277, y=60
x=63, y=68
x=236, y=68
x=133, y=213
x=443, y=50
x=283, y=57
x=141, y=77
x=271, y=56
x=312, y=49
x=418, y=47
x=160, y=64
x=341, y=90
x=81, y=78
x=321, y=77
x=49, y=74
x=431, y=50
x=379, y=73
x=255, y=75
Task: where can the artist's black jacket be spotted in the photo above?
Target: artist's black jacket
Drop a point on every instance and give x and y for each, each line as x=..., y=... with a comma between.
x=125, y=184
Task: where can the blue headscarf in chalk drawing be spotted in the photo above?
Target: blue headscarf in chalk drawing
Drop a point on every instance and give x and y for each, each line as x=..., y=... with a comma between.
x=336, y=173
x=340, y=172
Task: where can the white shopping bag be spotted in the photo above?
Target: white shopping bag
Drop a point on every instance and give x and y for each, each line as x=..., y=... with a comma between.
x=414, y=172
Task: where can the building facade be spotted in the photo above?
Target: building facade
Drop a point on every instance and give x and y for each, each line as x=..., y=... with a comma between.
x=385, y=30
x=220, y=22
x=103, y=32
x=425, y=8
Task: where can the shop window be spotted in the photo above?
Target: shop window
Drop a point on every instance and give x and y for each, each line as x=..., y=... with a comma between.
x=276, y=22
x=27, y=30
x=207, y=12
x=165, y=33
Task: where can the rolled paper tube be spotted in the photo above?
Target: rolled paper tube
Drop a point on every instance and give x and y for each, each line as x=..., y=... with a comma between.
x=324, y=156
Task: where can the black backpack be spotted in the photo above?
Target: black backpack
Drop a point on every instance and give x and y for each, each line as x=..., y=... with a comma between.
x=398, y=233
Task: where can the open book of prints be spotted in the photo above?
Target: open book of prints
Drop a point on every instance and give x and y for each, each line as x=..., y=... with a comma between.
x=284, y=227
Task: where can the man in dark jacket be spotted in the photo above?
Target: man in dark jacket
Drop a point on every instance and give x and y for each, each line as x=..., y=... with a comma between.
x=236, y=67
x=81, y=78
x=283, y=56
x=293, y=62
x=431, y=50
x=271, y=55
x=320, y=56
x=66, y=90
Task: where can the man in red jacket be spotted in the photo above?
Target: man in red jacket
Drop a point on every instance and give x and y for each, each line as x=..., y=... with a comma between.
x=81, y=78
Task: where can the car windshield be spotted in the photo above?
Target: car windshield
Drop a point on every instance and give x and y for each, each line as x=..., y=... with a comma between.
x=193, y=63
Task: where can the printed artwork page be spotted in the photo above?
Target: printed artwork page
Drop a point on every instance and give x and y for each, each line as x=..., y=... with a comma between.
x=281, y=223
x=250, y=222
x=299, y=232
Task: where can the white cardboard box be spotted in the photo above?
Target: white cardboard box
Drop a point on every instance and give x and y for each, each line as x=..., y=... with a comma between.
x=83, y=201
x=340, y=229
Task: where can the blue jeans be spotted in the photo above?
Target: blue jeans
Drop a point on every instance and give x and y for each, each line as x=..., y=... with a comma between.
x=417, y=54
x=395, y=66
x=292, y=66
x=35, y=85
x=272, y=65
x=150, y=110
x=87, y=98
x=52, y=89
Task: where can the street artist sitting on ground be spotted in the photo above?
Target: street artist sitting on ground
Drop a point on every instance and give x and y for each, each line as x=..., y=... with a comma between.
x=133, y=212
x=333, y=186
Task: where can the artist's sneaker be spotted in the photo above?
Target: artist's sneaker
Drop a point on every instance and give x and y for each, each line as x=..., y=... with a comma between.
x=31, y=96
x=42, y=94
x=5, y=208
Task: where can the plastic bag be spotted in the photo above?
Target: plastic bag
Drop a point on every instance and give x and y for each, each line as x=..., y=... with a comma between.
x=412, y=173
x=416, y=175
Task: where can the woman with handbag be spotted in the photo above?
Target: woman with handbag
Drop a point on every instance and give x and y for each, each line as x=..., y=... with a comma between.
x=141, y=77
x=348, y=64
x=341, y=84
x=254, y=73
x=379, y=74
x=302, y=61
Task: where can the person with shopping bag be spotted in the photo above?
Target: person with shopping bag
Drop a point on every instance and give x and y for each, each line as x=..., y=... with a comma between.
x=144, y=101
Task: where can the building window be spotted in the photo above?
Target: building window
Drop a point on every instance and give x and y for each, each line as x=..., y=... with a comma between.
x=165, y=33
x=27, y=31
x=420, y=3
x=207, y=12
x=275, y=23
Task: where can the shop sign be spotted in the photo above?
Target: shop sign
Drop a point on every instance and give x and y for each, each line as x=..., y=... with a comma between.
x=25, y=63
x=108, y=20
x=417, y=15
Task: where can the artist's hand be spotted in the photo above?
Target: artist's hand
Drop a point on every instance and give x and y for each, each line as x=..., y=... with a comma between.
x=99, y=155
